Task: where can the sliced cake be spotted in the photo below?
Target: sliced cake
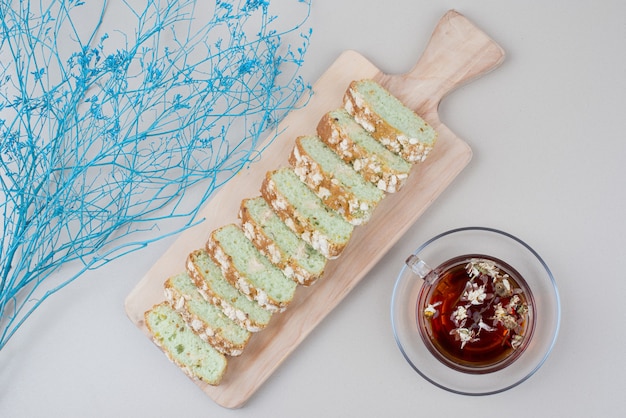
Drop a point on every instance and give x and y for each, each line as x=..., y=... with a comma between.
x=207, y=320
x=197, y=358
x=369, y=157
x=333, y=180
x=249, y=270
x=388, y=120
x=214, y=287
x=295, y=257
x=305, y=213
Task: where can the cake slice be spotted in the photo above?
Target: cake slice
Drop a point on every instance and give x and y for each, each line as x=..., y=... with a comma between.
x=295, y=257
x=214, y=287
x=389, y=121
x=370, y=158
x=197, y=358
x=206, y=319
x=305, y=213
x=333, y=180
x=248, y=270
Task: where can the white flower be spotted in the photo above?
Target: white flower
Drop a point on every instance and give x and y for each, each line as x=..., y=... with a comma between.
x=464, y=335
x=502, y=316
x=472, y=270
x=503, y=287
x=513, y=303
x=489, y=268
x=482, y=325
x=477, y=267
x=459, y=314
x=517, y=341
x=430, y=311
x=499, y=312
x=510, y=322
x=474, y=294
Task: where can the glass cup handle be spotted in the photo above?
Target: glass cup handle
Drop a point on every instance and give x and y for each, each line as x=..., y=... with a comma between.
x=420, y=268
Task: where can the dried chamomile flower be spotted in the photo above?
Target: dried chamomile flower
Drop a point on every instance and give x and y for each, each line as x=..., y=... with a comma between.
x=430, y=311
x=464, y=335
x=474, y=294
x=459, y=315
x=502, y=286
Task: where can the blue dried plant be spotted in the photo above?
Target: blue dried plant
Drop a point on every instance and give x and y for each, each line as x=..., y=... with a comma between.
x=105, y=128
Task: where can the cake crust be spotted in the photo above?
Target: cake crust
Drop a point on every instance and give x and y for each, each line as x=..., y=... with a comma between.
x=180, y=302
x=266, y=246
x=367, y=164
x=297, y=222
x=328, y=188
x=237, y=279
x=238, y=316
x=412, y=149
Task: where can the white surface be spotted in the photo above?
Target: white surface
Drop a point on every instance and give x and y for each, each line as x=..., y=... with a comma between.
x=547, y=131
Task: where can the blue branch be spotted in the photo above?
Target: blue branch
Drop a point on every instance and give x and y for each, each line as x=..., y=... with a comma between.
x=100, y=147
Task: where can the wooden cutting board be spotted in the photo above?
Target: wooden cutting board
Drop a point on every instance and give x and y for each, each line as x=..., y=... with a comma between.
x=456, y=53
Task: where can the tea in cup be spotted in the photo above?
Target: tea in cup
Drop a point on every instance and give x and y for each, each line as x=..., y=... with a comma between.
x=474, y=312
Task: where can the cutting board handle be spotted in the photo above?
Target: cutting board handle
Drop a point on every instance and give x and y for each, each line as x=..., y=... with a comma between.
x=457, y=52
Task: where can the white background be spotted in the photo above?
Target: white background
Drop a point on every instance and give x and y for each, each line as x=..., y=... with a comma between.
x=548, y=134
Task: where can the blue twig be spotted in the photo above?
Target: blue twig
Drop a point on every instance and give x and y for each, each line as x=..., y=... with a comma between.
x=101, y=140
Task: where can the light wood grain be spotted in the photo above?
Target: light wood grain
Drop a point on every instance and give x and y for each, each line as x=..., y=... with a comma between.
x=456, y=53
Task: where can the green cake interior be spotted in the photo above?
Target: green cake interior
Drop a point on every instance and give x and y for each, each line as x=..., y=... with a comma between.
x=208, y=312
x=224, y=290
x=330, y=162
x=262, y=274
x=395, y=112
x=362, y=138
x=187, y=348
x=327, y=221
x=295, y=248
